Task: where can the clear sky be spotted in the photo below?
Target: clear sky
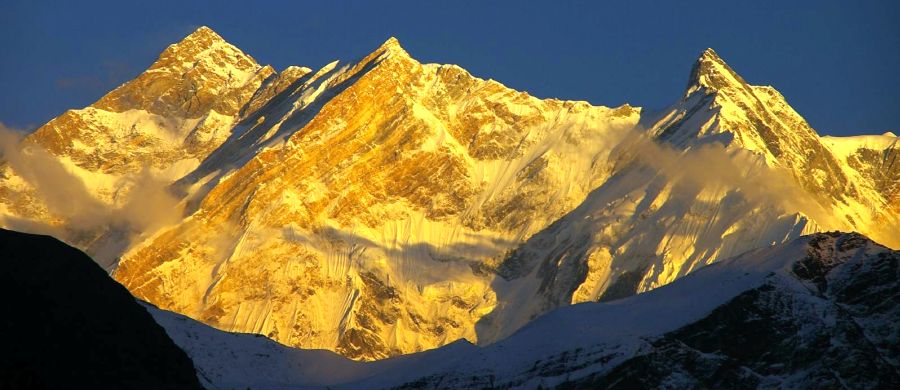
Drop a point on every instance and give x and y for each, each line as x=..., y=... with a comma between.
x=837, y=62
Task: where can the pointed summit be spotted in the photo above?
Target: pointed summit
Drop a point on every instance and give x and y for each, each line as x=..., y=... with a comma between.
x=203, y=36
x=189, y=78
x=390, y=44
x=712, y=73
x=391, y=47
x=389, y=50
x=709, y=55
x=193, y=45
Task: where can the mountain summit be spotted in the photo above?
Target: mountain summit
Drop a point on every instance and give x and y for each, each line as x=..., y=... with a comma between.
x=719, y=106
x=200, y=73
x=712, y=73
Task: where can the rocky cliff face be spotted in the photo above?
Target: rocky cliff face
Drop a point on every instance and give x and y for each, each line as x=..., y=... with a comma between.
x=829, y=327
x=180, y=108
x=385, y=206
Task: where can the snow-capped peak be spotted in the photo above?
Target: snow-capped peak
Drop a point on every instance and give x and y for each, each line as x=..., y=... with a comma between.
x=712, y=73
x=189, y=78
x=391, y=47
x=203, y=43
x=202, y=33
x=391, y=42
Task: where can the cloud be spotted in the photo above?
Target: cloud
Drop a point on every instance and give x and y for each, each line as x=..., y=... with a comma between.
x=142, y=203
x=712, y=165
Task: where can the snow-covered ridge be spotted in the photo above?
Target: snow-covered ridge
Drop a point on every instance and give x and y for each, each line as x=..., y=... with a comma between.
x=588, y=340
x=845, y=146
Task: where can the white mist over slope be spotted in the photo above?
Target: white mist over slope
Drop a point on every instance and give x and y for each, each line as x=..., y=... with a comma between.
x=141, y=205
x=715, y=165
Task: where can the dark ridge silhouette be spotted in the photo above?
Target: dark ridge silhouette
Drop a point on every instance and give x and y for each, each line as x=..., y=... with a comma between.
x=66, y=324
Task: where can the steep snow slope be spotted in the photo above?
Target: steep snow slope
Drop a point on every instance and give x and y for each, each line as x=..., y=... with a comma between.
x=728, y=168
x=814, y=312
x=810, y=313
x=660, y=217
x=238, y=360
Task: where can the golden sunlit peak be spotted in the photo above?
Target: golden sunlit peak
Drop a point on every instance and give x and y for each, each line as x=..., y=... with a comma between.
x=204, y=30
x=709, y=53
x=709, y=57
x=391, y=45
x=202, y=34
x=391, y=42
x=712, y=72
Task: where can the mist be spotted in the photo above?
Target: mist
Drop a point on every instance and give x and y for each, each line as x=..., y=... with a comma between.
x=713, y=165
x=141, y=204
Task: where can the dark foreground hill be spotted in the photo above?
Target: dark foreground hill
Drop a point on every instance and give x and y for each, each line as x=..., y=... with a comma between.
x=66, y=324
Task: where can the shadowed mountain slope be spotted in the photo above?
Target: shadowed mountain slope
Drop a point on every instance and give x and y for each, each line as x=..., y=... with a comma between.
x=67, y=324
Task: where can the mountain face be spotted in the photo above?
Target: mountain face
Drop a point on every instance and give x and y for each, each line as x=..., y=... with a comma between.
x=810, y=313
x=720, y=106
x=875, y=159
x=66, y=324
x=386, y=195
x=384, y=206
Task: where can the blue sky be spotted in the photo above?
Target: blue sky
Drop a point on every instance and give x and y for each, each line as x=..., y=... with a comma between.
x=836, y=62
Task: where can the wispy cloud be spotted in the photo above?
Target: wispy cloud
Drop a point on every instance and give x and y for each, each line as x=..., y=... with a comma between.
x=142, y=204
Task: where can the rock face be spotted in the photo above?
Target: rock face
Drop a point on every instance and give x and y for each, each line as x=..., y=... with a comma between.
x=816, y=312
x=875, y=160
x=384, y=206
x=66, y=324
x=369, y=204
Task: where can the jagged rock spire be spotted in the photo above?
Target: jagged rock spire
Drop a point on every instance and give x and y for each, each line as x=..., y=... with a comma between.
x=712, y=73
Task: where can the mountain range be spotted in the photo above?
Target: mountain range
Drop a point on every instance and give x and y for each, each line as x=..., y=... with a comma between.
x=384, y=207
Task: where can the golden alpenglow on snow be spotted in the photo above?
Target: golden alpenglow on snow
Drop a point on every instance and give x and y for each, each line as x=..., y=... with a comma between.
x=383, y=206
